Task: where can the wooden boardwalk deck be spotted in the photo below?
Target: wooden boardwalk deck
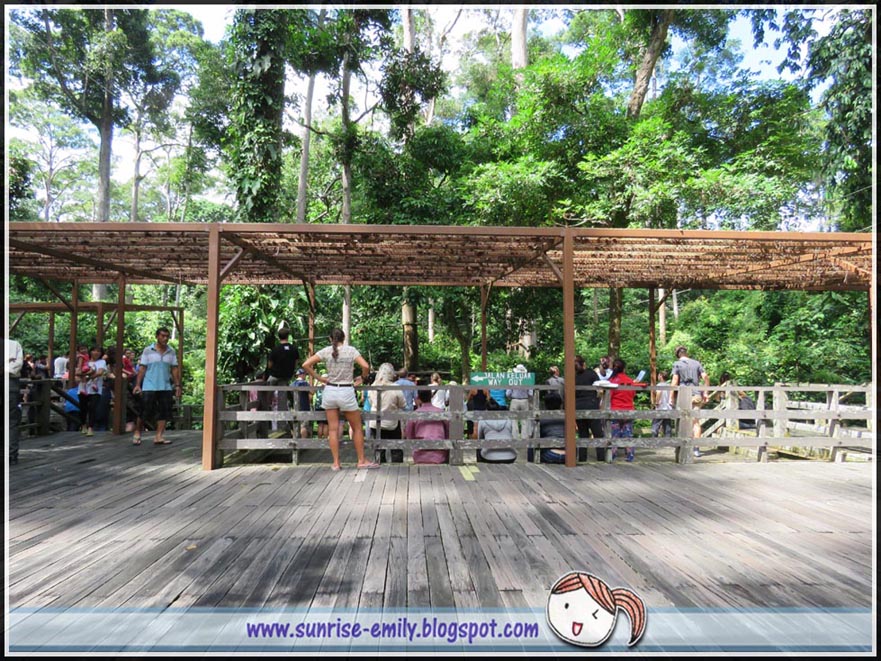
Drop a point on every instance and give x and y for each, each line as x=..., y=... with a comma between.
x=100, y=523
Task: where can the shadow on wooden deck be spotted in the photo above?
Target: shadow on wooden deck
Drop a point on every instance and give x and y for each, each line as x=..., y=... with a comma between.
x=100, y=523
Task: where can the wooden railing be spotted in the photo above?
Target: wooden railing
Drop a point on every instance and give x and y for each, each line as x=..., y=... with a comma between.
x=48, y=396
x=780, y=418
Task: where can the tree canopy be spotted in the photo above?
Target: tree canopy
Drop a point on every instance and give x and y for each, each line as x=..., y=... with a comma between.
x=636, y=117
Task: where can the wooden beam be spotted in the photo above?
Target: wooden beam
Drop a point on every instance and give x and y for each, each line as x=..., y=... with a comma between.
x=536, y=255
x=653, y=347
x=240, y=252
x=257, y=254
x=484, y=301
x=50, y=356
x=310, y=295
x=57, y=293
x=99, y=329
x=118, y=382
x=828, y=253
x=569, y=344
x=88, y=261
x=15, y=323
x=853, y=268
x=210, y=423
x=110, y=320
x=71, y=363
x=88, y=306
x=554, y=267
x=180, y=341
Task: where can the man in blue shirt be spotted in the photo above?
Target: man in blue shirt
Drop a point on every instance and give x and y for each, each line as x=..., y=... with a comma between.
x=409, y=395
x=159, y=380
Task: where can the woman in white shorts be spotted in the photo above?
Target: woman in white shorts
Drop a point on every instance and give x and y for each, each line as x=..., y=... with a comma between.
x=339, y=393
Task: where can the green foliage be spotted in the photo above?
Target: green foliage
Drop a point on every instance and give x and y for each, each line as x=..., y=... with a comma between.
x=409, y=80
x=22, y=200
x=511, y=193
x=249, y=320
x=844, y=58
x=258, y=42
x=640, y=183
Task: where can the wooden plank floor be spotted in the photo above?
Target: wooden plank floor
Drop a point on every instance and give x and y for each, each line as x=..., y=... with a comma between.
x=101, y=523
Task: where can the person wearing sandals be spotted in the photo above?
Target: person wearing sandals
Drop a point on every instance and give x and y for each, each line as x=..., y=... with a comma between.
x=339, y=393
x=159, y=379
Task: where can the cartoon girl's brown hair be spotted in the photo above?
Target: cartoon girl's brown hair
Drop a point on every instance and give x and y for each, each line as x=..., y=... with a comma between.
x=607, y=598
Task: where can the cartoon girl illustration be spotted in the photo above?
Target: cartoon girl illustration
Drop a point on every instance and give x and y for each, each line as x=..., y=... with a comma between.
x=582, y=610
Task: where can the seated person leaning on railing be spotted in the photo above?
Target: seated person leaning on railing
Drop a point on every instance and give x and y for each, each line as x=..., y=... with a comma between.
x=492, y=430
x=391, y=401
x=428, y=430
x=552, y=428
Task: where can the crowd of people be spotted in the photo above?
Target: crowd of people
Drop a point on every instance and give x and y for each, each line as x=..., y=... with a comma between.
x=337, y=397
x=154, y=379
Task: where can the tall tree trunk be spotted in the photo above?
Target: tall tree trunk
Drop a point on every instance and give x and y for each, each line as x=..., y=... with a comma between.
x=431, y=315
x=519, y=57
x=657, y=40
x=662, y=316
x=409, y=25
x=411, y=336
x=48, y=187
x=615, y=300
x=303, y=183
x=105, y=131
x=408, y=311
x=346, y=213
x=136, y=180
x=188, y=179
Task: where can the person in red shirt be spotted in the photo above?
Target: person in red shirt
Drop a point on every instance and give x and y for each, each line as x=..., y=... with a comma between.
x=622, y=400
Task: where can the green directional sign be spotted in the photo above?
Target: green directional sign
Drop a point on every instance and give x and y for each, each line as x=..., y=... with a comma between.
x=496, y=379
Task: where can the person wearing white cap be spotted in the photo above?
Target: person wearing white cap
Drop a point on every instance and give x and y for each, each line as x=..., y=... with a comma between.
x=518, y=399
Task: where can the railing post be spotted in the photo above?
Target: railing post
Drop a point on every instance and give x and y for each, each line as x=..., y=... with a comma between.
x=457, y=427
x=43, y=409
x=295, y=428
x=781, y=403
x=606, y=405
x=376, y=442
x=219, y=406
x=761, y=428
x=243, y=406
x=836, y=453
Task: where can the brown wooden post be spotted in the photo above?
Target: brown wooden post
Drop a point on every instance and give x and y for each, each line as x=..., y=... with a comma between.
x=761, y=428
x=484, y=300
x=210, y=422
x=50, y=354
x=71, y=363
x=118, y=385
x=99, y=330
x=44, y=410
x=180, y=341
x=569, y=344
x=310, y=294
x=653, y=348
x=457, y=424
